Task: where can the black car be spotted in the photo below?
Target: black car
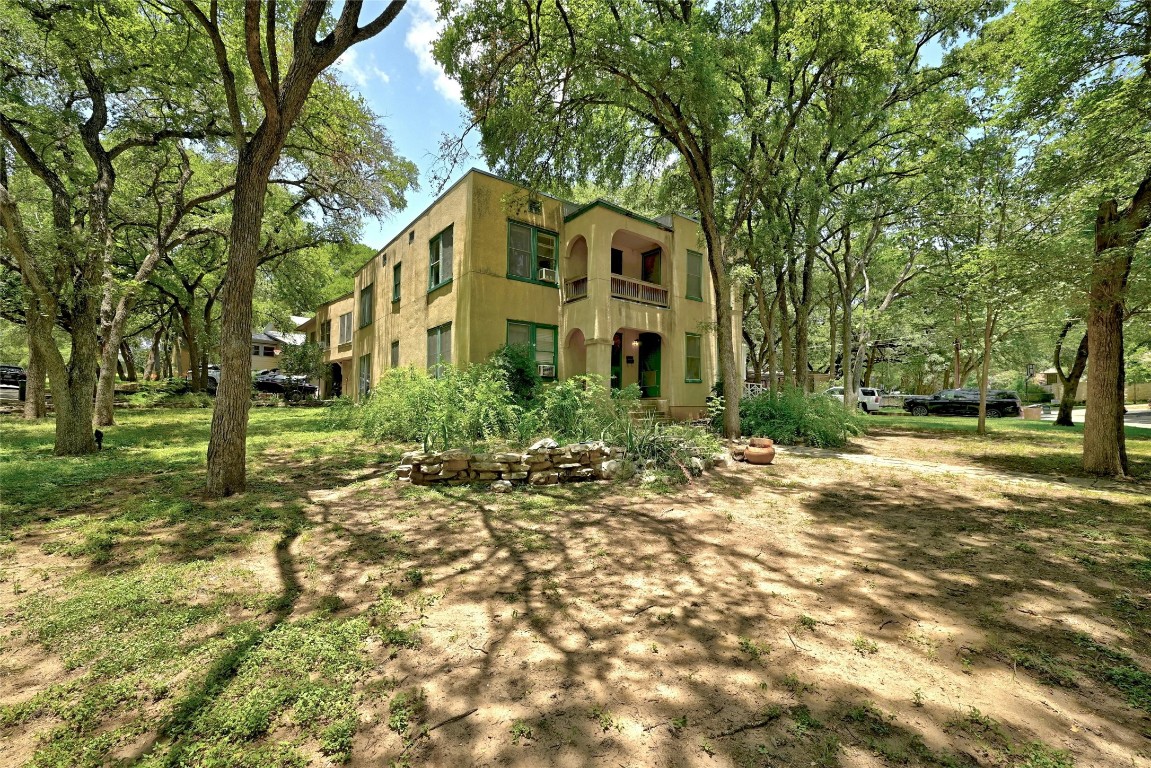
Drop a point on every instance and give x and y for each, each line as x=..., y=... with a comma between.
x=963, y=402
x=293, y=387
x=12, y=375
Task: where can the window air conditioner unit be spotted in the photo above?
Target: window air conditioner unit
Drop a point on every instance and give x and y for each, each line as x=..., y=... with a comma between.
x=547, y=276
x=547, y=371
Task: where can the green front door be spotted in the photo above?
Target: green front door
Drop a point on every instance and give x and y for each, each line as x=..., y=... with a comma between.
x=617, y=361
x=649, y=364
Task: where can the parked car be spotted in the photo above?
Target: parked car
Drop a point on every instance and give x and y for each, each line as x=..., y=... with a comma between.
x=12, y=375
x=870, y=399
x=293, y=387
x=213, y=382
x=963, y=402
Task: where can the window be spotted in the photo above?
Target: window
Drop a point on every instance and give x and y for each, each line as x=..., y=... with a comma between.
x=439, y=347
x=326, y=334
x=695, y=275
x=395, y=354
x=366, y=296
x=693, y=358
x=256, y=350
x=365, y=375
x=531, y=251
x=540, y=338
x=651, y=266
x=440, y=263
x=269, y=351
x=535, y=206
x=346, y=328
x=396, y=281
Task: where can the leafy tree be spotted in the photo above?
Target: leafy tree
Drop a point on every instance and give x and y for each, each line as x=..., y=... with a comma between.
x=253, y=47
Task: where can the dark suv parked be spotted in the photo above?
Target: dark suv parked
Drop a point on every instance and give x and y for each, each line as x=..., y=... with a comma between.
x=12, y=375
x=963, y=402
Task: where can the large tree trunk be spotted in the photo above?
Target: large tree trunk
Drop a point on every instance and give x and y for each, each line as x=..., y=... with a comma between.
x=227, y=446
x=787, y=360
x=35, y=401
x=729, y=372
x=106, y=385
x=1116, y=234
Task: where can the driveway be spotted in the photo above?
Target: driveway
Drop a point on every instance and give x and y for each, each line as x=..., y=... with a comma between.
x=1136, y=416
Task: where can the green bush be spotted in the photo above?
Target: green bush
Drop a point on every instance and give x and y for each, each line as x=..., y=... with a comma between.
x=477, y=405
x=521, y=373
x=342, y=413
x=790, y=417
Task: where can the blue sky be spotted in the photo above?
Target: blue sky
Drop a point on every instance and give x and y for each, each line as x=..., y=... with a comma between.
x=397, y=76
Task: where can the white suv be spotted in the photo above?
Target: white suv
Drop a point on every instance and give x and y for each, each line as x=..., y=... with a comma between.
x=870, y=400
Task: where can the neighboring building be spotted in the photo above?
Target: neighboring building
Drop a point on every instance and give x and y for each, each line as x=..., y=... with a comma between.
x=591, y=289
x=1048, y=381
x=269, y=343
x=332, y=329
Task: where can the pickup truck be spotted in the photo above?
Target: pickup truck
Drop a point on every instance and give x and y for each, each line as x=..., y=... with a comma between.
x=869, y=400
x=963, y=402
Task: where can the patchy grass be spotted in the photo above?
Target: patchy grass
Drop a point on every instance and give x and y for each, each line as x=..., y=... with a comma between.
x=816, y=612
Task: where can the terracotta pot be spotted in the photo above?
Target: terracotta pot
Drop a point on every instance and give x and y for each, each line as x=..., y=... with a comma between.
x=761, y=442
x=756, y=455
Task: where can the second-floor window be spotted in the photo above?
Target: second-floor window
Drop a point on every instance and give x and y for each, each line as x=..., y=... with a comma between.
x=366, y=305
x=396, y=281
x=531, y=253
x=346, y=328
x=326, y=334
x=440, y=259
x=695, y=275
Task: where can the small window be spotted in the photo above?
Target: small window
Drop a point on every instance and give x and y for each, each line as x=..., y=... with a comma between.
x=693, y=358
x=535, y=206
x=326, y=334
x=695, y=275
x=541, y=339
x=365, y=375
x=256, y=350
x=346, y=328
x=532, y=253
x=440, y=259
x=269, y=351
x=395, y=354
x=439, y=348
x=366, y=296
x=396, y=281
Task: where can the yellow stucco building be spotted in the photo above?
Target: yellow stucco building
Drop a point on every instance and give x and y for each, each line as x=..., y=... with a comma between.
x=591, y=289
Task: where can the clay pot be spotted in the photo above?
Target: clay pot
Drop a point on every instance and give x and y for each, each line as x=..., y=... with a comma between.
x=760, y=450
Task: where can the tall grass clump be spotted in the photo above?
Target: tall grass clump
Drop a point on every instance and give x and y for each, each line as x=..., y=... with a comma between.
x=790, y=416
x=453, y=408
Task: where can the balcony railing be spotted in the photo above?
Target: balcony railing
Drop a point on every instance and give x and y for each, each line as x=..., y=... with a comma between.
x=576, y=288
x=638, y=290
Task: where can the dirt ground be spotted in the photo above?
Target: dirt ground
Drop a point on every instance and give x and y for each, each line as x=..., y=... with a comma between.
x=814, y=612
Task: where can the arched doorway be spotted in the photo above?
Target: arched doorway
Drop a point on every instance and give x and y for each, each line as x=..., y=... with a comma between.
x=337, y=376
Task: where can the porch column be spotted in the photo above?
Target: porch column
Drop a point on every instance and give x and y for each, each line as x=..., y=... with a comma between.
x=599, y=359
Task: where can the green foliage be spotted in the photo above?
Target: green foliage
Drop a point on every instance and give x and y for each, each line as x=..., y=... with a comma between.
x=305, y=359
x=521, y=373
x=790, y=416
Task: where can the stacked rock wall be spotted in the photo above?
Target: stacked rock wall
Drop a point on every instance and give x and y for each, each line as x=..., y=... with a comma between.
x=545, y=463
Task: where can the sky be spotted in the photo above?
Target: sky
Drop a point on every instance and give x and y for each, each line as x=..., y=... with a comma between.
x=417, y=103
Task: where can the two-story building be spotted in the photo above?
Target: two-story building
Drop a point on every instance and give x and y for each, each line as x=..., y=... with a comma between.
x=589, y=288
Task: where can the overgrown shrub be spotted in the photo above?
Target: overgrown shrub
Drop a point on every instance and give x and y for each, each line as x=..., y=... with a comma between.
x=583, y=408
x=342, y=413
x=791, y=416
x=521, y=373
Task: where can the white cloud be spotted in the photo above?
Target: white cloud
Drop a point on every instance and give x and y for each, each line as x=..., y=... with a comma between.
x=358, y=71
x=420, y=38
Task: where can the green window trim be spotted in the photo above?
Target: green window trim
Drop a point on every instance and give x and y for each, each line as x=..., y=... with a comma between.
x=534, y=336
x=441, y=250
x=396, y=276
x=367, y=305
x=439, y=352
x=694, y=279
x=533, y=255
x=693, y=363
